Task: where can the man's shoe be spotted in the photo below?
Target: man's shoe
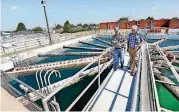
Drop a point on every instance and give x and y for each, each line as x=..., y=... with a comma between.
x=129, y=68
x=133, y=73
x=122, y=66
x=115, y=69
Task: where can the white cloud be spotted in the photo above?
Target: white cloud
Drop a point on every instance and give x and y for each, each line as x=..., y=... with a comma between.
x=154, y=7
x=14, y=8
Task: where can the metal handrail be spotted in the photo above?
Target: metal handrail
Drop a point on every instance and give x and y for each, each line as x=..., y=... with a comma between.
x=47, y=98
x=30, y=88
x=135, y=98
x=169, y=63
x=89, y=85
x=19, y=81
x=155, y=93
x=19, y=93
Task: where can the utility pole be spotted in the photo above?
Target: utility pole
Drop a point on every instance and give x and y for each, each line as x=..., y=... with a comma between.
x=43, y=2
x=130, y=15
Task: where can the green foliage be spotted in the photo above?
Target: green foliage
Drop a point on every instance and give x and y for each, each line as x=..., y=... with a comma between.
x=79, y=24
x=175, y=18
x=70, y=28
x=98, y=25
x=85, y=26
x=37, y=29
x=123, y=19
x=149, y=18
x=58, y=26
x=67, y=27
x=21, y=27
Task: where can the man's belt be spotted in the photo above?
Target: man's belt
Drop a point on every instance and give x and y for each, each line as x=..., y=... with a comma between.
x=119, y=48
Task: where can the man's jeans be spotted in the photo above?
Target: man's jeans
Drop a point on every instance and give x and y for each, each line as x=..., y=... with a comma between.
x=118, y=53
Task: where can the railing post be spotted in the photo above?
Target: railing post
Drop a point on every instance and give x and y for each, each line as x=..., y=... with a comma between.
x=45, y=105
x=99, y=72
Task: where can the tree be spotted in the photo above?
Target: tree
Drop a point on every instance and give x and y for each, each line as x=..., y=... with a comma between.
x=58, y=26
x=175, y=18
x=79, y=24
x=21, y=27
x=149, y=18
x=72, y=25
x=85, y=26
x=37, y=29
x=98, y=25
x=122, y=19
x=67, y=27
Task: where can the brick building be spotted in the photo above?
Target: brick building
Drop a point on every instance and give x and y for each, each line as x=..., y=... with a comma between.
x=148, y=24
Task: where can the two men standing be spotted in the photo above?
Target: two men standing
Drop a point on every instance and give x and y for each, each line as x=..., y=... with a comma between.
x=134, y=42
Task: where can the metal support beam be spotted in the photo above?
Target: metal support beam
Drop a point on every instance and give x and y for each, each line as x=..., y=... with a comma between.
x=106, y=42
x=90, y=43
x=70, y=54
x=166, y=83
x=168, y=63
x=170, y=47
x=83, y=48
x=99, y=72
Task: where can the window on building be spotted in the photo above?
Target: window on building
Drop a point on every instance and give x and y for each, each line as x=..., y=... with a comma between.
x=105, y=26
x=153, y=24
x=118, y=25
x=128, y=25
x=138, y=24
x=149, y=24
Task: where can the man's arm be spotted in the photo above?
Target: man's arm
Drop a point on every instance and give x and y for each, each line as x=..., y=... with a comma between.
x=124, y=43
x=142, y=42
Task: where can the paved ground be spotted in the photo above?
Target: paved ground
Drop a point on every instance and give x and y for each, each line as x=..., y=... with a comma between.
x=9, y=103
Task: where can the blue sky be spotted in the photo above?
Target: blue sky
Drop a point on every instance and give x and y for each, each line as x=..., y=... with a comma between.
x=30, y=12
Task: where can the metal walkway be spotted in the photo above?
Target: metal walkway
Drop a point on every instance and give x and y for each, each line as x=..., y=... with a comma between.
x=115, y=92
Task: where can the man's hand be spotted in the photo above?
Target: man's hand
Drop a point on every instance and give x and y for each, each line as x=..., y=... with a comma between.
x=137, y=47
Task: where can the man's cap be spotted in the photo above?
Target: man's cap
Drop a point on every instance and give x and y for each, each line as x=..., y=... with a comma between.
x=116, y=28
x=134, y=27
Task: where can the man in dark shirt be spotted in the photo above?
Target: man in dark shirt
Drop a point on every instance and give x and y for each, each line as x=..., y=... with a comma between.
x=118, y=41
